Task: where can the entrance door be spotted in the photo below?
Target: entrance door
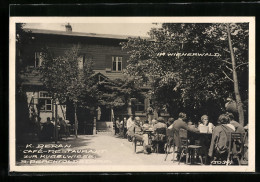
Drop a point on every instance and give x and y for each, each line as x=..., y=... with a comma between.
x=105, y=114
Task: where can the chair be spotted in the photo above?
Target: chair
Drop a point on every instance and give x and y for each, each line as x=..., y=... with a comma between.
x=245, y=157
x=236, y=147
x=169, y=143
x=159, y=138
x=187, y=150
x=137, y=139
x=137, y=136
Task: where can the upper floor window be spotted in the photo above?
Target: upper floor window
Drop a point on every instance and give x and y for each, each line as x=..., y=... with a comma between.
x=117, y=63
x=38, y=59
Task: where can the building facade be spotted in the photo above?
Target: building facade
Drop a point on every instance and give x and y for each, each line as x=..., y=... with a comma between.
x=109, y=62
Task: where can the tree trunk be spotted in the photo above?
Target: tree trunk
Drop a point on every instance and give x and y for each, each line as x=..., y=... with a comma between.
x=56, y=123
x=236, y=88
x=76, y=121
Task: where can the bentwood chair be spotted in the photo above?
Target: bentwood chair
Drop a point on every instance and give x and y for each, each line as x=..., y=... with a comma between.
x=189, y=151
x=137, y=141
x=169, y=143
x=235, y=148
x=159, y=138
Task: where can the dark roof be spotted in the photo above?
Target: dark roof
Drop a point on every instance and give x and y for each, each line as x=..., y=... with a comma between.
x=80, y=34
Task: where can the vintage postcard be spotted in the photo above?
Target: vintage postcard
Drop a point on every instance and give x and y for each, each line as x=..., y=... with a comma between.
x=132, y=94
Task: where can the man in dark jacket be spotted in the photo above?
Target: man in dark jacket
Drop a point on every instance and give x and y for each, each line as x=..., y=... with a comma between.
x=220, y=141
x=181, y=123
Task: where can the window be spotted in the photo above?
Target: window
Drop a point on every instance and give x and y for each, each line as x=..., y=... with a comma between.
x=140, y=105
x=117, y=63
x=38, y=59
x=45, y=101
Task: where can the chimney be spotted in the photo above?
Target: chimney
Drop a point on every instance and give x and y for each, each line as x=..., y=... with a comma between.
x=68, y=28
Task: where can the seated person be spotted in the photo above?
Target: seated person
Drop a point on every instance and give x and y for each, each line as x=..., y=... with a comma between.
x=219, y=141
x=154, y=121
x=239, y=128
x=160, y=124
x=205, y=122
x=47, y=130
x=170, y=121
x=138, y=133
x=161, y=136
x=146, y=125
x=191, y=124
x=181, y=123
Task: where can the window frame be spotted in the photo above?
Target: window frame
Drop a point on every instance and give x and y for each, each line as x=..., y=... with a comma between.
x=117, y=59
x=140, y=104
x=45, y=99
x=37, y=59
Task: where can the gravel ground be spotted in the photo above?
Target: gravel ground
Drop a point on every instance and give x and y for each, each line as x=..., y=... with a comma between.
x=103, y=148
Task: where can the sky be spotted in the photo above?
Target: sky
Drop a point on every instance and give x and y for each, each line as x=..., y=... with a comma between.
x=134, y=29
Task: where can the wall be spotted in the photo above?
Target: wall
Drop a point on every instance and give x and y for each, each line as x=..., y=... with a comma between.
x=101, y=49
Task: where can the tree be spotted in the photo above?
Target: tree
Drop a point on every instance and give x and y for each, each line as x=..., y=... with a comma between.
x=189, y=82
x=117, y=94
x=66, y=81
x=23, y=124
x=236, y=35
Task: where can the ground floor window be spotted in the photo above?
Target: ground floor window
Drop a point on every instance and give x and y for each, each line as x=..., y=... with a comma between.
x=117, y=63
x=45, y=101
x=139, y=106
x=45, y=104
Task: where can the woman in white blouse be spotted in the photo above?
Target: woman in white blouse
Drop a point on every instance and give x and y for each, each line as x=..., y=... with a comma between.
x=205, y=122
